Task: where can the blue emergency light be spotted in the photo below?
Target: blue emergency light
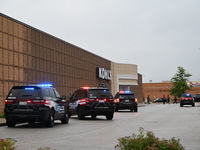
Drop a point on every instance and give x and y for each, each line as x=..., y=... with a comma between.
x=29, y=88
x=45, y=85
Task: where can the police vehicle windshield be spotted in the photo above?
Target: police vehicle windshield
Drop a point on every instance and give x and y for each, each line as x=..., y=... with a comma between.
x=126, y=96
x=24, y=91
x=99, y=93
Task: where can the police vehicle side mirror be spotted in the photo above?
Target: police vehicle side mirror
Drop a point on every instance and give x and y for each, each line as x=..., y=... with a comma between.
x=63, y=97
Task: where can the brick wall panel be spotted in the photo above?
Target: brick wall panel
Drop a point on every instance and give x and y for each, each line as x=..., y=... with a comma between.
x=1, y=39
x=10, y=27
x=11, y=42
x=1, y=73
x=16, y=29
x=16, y=59
x=16, y=73
x=1, y=23
x=5, y=41
x=5, y=25
x=21, y=44
x=10, y=58
x=5, y=56
x=16, y=44
x=11, y=73
x=1, y=56
x=5, y=72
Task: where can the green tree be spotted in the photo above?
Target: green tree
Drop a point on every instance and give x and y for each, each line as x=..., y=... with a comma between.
x=180, y=80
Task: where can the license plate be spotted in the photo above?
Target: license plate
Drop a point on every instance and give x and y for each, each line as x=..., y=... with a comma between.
x=22, y=103
x=101, y=101
x=127, y=101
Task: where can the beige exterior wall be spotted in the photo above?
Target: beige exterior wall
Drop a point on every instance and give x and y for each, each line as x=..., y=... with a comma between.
x=125, y=75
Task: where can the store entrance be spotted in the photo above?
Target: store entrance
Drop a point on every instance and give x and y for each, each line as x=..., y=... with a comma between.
x=124, y=88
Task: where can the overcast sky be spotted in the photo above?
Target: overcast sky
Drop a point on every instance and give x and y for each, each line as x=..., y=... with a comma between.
x=156, y=35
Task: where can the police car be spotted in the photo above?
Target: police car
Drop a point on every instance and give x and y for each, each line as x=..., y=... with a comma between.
x=35, y=103
x=91, y=101
x=126, y=100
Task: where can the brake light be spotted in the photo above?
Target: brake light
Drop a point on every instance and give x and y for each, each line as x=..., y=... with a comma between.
x=89, y=100
x=85, y=87
x=117, y=100
x=136, y=100
x=110, y=100
x=9, y=101
x=29, y=101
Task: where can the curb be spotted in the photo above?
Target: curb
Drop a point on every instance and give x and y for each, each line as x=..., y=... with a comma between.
x=2, y=122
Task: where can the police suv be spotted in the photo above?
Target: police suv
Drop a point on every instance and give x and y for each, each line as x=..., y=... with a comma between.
x=126, y=100
x=91, y=101
x=35, y=103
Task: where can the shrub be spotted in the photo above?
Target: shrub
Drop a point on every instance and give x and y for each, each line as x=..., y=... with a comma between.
x=147, y=141
x=7, y=144
x=2, y=115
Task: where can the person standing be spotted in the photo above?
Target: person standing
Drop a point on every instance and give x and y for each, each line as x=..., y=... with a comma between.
x=164, y=99
x=168, y=99
x=175, y=100
x=148, y=99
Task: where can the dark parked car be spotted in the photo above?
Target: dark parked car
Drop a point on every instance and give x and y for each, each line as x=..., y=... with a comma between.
x=35, y=103
x=158, y=100
x=196, y=97
x=91, y=101
x=187, y=99
x=126, y=100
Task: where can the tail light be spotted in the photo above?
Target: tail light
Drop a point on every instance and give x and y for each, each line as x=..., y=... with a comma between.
x=89, y=100
x=117, y=100
x=9, y=101
x=136, y=100
x=110, y=100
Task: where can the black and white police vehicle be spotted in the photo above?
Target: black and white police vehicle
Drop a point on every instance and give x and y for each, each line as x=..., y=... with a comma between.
x=35, y=103
x=126, y=100
x=91, y=101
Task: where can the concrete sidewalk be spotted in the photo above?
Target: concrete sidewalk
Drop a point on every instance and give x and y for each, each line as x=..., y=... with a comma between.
x=2, y=121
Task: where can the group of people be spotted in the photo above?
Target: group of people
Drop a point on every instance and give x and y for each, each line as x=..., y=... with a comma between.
x=165, y=99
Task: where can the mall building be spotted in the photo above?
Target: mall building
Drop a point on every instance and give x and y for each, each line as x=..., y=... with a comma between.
x=30, y=56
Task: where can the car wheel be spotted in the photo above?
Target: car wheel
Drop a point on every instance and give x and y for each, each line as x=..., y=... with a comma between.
x=10, y=123
x=65, y=119
x=116, y=110
x=131, y=110
x=81, y=116
x=193, y=105
x=109, y=116
x=93, y=116
x=136, y=110
x=50, y=121
x=181, y=105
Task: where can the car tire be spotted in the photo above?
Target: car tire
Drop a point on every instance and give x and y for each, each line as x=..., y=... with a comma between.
x=116, y=110
x=181, y=105
x=50, y=121
x=65, y=119
x=136, y=110
x=10, y=123
x=81, y=116
x=193, y=105
x=131, y=110
x=109, y=116
x=93, y=116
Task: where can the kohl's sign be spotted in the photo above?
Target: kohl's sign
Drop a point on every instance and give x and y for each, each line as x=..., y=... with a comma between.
x=103, y=73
